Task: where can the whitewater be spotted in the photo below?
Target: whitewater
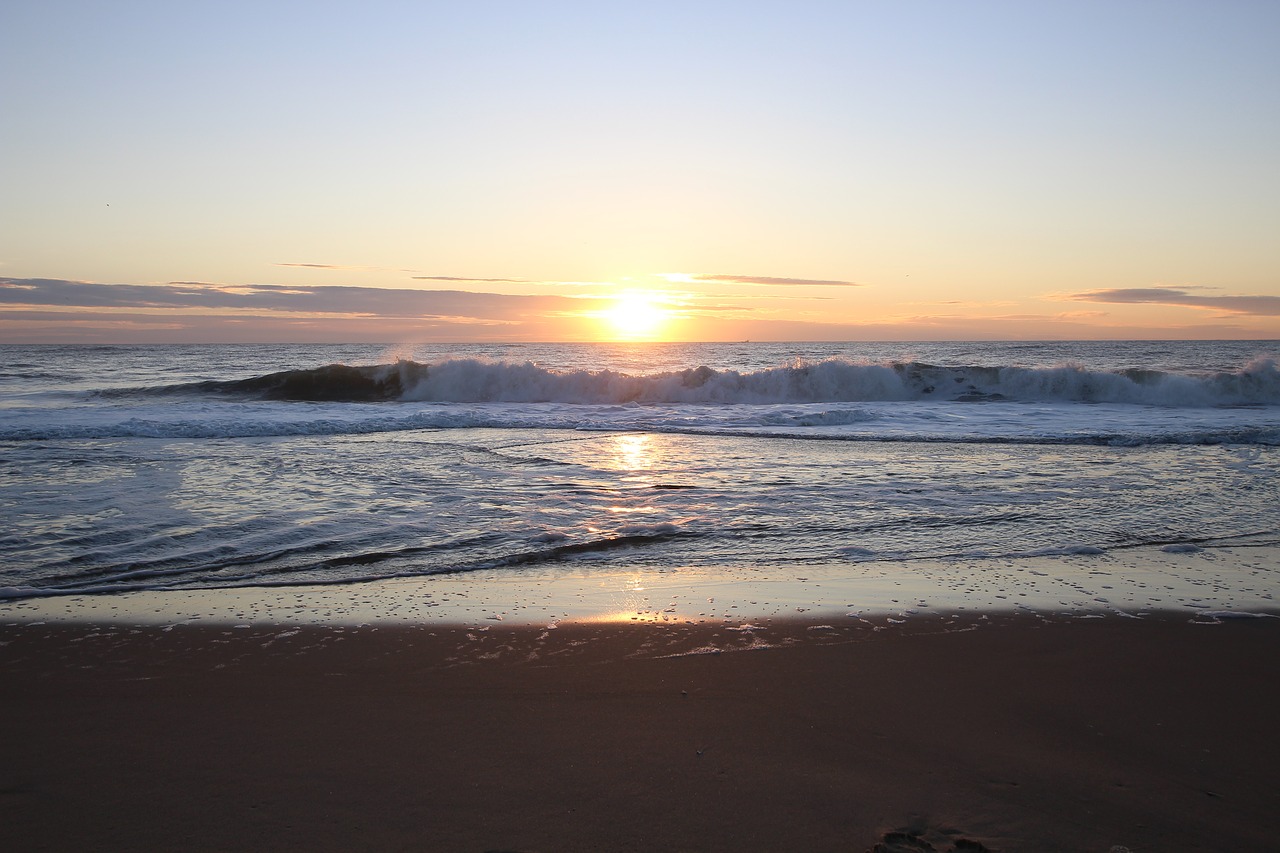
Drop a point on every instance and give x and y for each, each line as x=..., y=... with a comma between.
x=222, y=467
x=828, y=396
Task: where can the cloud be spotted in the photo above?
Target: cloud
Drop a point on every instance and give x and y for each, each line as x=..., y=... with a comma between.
x=1260, y=306
x=344, y=267
x=58, y=311
x=25, y=326
x=276, y=299
x=766, y=280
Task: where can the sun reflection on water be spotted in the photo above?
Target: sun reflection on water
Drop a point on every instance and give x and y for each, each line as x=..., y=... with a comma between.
x=633, y=452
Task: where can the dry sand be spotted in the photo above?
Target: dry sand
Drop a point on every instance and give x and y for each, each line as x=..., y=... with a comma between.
x=1011, y=734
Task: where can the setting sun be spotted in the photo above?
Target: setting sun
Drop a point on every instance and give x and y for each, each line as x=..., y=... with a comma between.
x=637, y=315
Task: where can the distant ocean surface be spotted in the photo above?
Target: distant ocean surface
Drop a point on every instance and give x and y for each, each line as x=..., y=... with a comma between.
x=187, y=467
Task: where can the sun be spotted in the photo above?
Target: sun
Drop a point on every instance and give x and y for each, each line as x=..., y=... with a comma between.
x=637, y=316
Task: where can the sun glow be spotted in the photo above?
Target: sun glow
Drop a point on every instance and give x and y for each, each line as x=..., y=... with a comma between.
x=637, y=316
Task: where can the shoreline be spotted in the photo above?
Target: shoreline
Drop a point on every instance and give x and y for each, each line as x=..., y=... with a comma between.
x=1017, y=732
x=1209, y=584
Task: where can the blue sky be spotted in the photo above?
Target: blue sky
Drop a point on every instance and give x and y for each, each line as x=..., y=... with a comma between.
x=972, y=170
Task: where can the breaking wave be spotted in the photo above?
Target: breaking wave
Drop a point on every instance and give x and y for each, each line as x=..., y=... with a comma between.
x=834, y=380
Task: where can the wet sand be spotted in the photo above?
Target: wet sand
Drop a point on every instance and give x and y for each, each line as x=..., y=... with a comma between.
x=1004, y=733
x=1133, y=581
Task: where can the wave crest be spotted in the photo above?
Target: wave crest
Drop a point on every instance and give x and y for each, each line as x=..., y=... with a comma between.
x=830, y=381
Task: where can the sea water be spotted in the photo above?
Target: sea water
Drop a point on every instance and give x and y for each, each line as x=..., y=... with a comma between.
x=221, y=467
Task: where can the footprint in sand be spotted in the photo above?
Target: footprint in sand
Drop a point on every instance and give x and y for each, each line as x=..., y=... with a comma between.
x=907, y=842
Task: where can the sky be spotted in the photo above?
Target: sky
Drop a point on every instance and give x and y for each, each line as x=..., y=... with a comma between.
x=561, y=171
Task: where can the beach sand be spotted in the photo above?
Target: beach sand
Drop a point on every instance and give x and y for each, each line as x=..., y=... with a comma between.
x=1010, y=733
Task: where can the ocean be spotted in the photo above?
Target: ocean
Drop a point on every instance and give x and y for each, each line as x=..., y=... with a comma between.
x=127, y=468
